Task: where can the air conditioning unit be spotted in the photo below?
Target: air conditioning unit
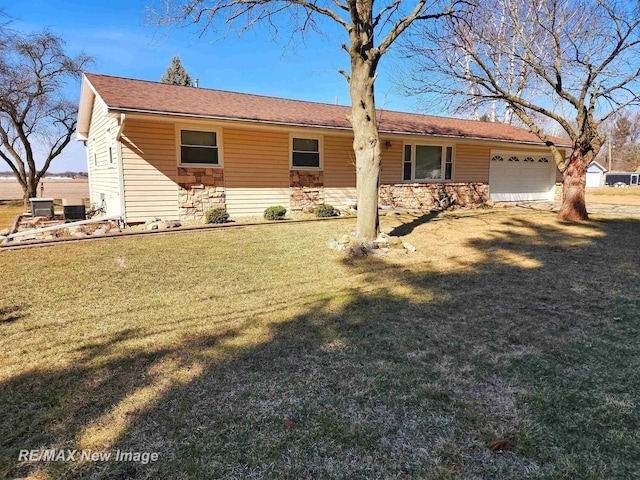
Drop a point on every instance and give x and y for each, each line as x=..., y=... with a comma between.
x=74, y=209
x=41, y=207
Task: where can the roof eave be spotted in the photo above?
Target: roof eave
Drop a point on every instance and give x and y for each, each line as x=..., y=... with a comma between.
x=87, y=96
x=308, y=125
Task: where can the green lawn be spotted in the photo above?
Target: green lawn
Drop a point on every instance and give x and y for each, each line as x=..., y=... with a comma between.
x=256, y=352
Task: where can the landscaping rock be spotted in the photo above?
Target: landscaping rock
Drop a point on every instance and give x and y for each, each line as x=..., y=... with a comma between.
x=409, y=247
x=100, y=231
x=381, y=241
x=333, y=244
x=394, y=242
x=345, y=240
x=153, y=226
x=4, y=232
x=369, y=246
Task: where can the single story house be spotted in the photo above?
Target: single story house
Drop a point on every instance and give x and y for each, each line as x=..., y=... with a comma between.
x=595, y=174
x=157, y=150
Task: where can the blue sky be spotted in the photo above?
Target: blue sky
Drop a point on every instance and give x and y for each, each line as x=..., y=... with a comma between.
x=115, y=34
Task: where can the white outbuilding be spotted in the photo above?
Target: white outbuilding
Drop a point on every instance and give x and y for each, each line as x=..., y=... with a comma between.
x=595, y=174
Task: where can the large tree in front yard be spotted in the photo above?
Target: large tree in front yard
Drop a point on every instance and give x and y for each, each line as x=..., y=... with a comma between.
x=361, y=23
x=574, y=62
x=36, y=121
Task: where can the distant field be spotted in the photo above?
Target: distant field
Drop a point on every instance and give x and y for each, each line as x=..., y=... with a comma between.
x=614, y=196
x=10, y=189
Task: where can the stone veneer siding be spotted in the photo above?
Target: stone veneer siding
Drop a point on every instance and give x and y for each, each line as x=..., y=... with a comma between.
x=427, y=196
x=306, y=189
x=199, y=190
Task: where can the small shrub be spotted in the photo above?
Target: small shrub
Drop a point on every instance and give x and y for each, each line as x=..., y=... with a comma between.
x=275, y=213
x=216, y=215
x=324, y=210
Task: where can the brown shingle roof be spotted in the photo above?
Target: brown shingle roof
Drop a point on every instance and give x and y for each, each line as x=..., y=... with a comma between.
x=137, y=95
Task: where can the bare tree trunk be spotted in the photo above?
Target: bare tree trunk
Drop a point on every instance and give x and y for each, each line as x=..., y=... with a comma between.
x=29, y=191
x=574, y=180
x=366, y=145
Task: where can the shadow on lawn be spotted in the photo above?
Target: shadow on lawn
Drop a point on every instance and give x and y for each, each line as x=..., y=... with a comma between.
x=527, y=342
x=407, y=228
x=10, y=314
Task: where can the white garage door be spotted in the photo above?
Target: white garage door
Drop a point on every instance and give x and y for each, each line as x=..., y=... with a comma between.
x=594, y=179
x=517, y=176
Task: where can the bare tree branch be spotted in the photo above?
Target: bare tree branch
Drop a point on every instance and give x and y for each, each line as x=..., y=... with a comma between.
x=571, y=61
x=33, y=69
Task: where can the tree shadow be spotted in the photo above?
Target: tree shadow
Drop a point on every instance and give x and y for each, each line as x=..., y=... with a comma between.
x=407, y=228
x=409, y=376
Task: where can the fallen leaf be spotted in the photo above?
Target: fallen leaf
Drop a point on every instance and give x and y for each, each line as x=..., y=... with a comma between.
x=500, y=445
x=288, y=424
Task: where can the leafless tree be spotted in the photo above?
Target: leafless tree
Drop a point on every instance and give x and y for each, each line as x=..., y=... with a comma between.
x=33, y=113
x=572, y=61
x=361, y=23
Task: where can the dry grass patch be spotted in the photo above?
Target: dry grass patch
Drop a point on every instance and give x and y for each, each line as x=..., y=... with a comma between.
x=9, y=210
x=258, y=352
x=614, y=196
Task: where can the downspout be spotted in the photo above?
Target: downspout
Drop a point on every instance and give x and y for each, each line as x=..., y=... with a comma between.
x=123, y=118
x=86, y=149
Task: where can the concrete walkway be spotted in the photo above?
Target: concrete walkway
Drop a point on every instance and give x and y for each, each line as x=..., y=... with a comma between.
x=626, y=210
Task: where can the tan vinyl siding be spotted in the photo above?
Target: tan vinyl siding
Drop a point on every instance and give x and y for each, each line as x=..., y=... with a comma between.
x=339, y=162
x=256, y=170
x=149, y=171
x=471, y=163
x=256, y=159
x=391, y=161
x=104, y=175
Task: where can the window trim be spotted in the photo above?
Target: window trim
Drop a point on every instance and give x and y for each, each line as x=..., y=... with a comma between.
x=200, y=128
x=306, y=136
x=111, y=161
x=443, y=162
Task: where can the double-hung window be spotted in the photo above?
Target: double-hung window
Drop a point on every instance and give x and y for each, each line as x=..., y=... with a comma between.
x=305, y=153
x=427, y=163
x=199, y=148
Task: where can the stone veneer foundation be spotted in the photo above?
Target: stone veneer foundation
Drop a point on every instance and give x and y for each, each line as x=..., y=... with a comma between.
x=199, y=189
x=306, y=190
x=203, y=188
x=428, y=196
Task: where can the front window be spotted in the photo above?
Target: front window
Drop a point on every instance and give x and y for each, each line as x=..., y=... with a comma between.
x=199, y=148
x=428, y=162
x=305, y=153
